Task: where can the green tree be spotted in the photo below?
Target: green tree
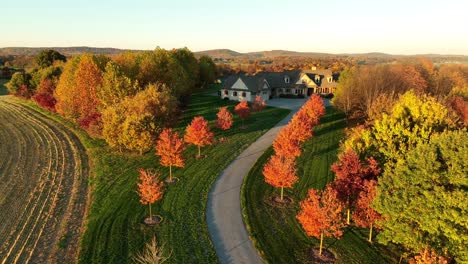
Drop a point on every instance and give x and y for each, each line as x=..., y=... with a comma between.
x=423, y=197
x=46, y=58
x=18, y=80
x=208, y=70
x=115, y=85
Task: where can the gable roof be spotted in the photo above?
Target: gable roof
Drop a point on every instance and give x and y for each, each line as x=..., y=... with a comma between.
x=277, y=79
x=254, y=83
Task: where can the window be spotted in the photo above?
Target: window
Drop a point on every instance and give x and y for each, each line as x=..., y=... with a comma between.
x=286, y=79
x=288, y=90
x=296, y=91
x=234, y=94
x=226, y=92
x=243, y=94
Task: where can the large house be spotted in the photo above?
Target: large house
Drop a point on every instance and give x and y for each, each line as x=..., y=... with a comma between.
x=269, y=85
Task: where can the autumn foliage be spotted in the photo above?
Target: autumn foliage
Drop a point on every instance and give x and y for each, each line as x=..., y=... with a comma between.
x=198, y=133
x=285, y=145
x=170, y=147
x=45, y=95
x=280, y=173
x=149, y=188
x=365, y=216
x=314, y=109
x=224, y=121
x=258, y=104
x=350, y=177
x=320, y=215
x=242, y=110
x=428, y=256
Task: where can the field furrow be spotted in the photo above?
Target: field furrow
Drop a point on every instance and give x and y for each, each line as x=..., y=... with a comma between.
x=43, y=169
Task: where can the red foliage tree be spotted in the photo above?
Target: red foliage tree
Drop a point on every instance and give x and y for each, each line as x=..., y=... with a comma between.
x=170, y=148
x=285, y=145
x=198, y=133
x=224, y=121
x=45, y=94
x=258, y=104
x=320, y=215
x=280, y=173
x=461, y=108
x=350, y=176
x=365, y=216
x=314, y=109
x=149, y=188
x=242, y=110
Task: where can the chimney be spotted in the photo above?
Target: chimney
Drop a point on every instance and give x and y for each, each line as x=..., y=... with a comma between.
x=314, y=68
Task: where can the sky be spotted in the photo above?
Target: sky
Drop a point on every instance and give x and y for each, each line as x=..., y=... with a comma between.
x=332, y=26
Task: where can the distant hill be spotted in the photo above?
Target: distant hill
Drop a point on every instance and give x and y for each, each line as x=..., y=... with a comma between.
x=25, y=51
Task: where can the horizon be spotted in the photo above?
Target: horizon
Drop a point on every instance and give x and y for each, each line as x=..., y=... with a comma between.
x=334, y=27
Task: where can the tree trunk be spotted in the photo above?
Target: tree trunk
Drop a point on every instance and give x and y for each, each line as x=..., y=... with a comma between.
x=281, y=193
x=348, y=213
x=170, y=173
x=151, y=217
x=199, y=152
x=370, y=233
x=321, y=243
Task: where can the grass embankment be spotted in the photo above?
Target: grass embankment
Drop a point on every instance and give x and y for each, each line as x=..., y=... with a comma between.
x=3, y=89
x=114, y=231
x=275, y=231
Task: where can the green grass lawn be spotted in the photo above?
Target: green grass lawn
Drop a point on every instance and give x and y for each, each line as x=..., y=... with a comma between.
x=276, y=232
x=114, y=231
x=3, y=89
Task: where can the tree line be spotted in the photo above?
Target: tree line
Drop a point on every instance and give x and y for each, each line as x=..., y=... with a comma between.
x=126, y=99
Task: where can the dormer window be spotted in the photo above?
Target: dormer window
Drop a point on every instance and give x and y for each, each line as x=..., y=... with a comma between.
x=317, y=78
x=330, y=79
x=286, y=79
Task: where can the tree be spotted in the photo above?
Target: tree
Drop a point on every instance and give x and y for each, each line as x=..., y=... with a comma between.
x=45, y=95
x=285, y=145
x=224, y=121
x=365, y=216
x=242, y=110
x=428, y=256
x=152, y=254
x=320, y=215
x=422, y=197
x=314, y=109
x=47, y=57
x=207, y=70
x=198, y=133
x=301, y=127
x=135, y=123
x=149, y=189
x=170, y=149
x=280, y=173
x=258, y=104
x=17, y=81
x=350, y=177
x=115, y=85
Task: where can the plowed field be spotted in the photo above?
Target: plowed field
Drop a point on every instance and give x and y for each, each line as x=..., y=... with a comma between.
x=43, y=185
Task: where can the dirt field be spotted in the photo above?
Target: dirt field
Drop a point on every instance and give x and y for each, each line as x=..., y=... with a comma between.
x=43, y=185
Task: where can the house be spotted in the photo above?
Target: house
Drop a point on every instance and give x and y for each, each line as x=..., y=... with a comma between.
x=269, y=85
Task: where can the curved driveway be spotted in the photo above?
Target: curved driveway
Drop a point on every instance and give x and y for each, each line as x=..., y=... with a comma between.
x=224, y=214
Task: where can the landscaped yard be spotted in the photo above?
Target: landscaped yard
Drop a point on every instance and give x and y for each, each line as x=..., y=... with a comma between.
x=276, y=232
x=114, y=230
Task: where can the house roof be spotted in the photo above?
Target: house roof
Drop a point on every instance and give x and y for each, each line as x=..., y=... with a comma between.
x=254, y=83
x=277, y=79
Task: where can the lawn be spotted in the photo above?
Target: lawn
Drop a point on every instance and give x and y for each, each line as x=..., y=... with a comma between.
x=114, y=231
x=276, y=233
x=3, y=89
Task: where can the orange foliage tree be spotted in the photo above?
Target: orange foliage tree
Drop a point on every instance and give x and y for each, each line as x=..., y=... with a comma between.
x=280, y=173
x=198, y=133
x=149, y=188
x=301, y=127
x=428, y=256
x=224, y=121
x=258, y=104
x=170, y=147
x=314, y=109
x=320, y=215
x=365, y=216
x=242, y=110
x=285, y=145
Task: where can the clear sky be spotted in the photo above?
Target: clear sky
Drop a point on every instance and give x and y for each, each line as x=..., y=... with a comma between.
x=335, y=26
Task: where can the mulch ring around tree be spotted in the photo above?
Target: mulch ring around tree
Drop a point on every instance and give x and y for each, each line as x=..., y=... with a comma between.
x=154, y=220
x=170, y=181
x=202, y=156
x=326, y=257
x=277, y=202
